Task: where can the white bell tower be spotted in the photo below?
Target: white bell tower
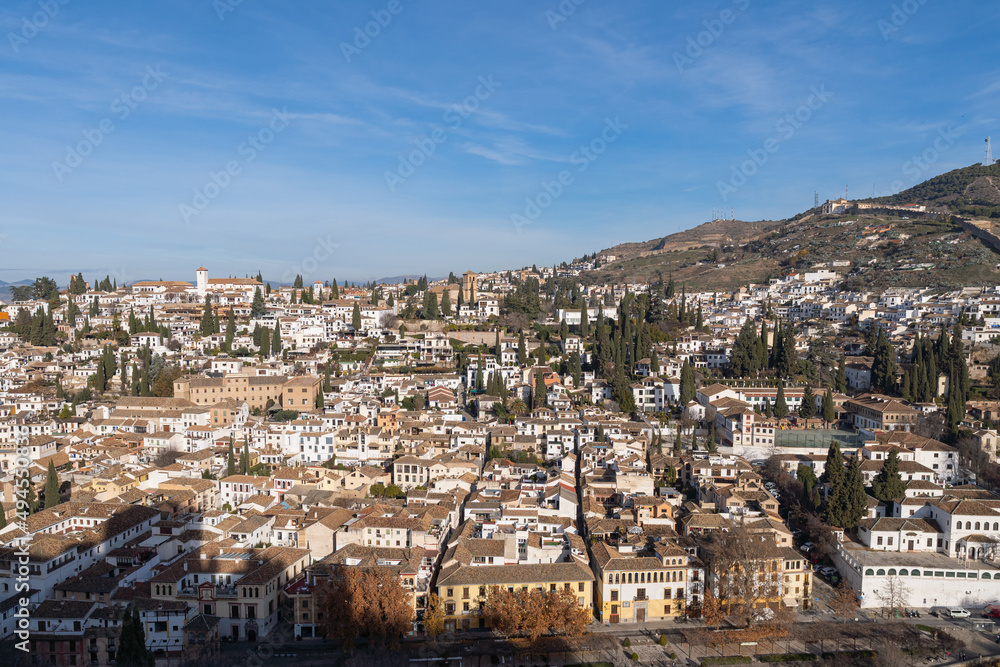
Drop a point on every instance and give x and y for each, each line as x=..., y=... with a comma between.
x=202, y=280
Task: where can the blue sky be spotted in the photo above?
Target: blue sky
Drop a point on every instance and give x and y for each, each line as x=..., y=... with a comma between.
x=257, y=135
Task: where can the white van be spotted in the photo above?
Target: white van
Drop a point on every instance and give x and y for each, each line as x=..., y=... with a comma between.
x=958, y=612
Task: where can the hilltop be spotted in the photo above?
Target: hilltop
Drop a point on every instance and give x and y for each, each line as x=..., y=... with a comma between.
x=873, y=248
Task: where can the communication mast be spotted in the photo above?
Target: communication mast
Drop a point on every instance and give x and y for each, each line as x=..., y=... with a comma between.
x=989, y=154
x=815, y=198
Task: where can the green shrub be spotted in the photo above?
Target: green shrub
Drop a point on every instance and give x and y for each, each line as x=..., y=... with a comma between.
x=627, y=642
x=635, y=656
x=727, y=660
x=673, y=656
x=663, y=640
x=787, y=657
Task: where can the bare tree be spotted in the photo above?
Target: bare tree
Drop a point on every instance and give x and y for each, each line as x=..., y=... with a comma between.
x=744, y=571
x=893, y=593
x=845, y=603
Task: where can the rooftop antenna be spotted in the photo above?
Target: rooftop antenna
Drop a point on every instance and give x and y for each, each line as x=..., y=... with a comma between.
x=989, y=154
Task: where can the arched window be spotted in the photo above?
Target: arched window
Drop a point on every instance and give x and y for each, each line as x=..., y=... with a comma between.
x=642, y=577
x=256, y=592
x=661, y=575
x=611, y=578
x=916, y=573
x=977, y=525
x=892, y=571
x=986, y=575
x=616, y=578
x=903, y=572
x=630, y=577
x=996, y=526
x=869, y=572
x=880, y=573
x=958, y=525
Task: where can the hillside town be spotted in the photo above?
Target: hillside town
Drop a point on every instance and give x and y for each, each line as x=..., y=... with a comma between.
x=226, y=461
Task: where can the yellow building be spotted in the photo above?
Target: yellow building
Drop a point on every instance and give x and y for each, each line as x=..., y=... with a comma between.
x=463, y=588
x=644, y=584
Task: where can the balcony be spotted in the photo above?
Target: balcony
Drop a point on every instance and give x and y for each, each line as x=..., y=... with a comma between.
x=640, y=598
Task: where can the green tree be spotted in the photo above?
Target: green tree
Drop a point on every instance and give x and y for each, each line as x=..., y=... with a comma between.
x=207, y=318
x=51, y=486
x=446, y=303
x=687, y=383
x=836, y=477
x=522, y=350
x=829, y=410
x=276, y=339
x=258, y=307
x=856, y=504
x=584, y=320
x=538, y=396
x=356, y=317
x=334, y=290
x=887, y=484
x=132, y=650
x=231, y=460
x=841, y=381
x=807, y=409
x=780, y=409
x=230, y=330
x=245, y=457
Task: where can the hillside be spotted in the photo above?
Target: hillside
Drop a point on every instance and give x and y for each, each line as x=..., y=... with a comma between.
x=883, y=248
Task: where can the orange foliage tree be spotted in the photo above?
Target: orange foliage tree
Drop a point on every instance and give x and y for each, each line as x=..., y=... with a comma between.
x=368, y=602
x=533, y=613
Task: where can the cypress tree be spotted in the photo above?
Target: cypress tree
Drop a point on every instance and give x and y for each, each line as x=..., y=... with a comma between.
x=780, y=406
x=677, y=440
x=245, y=457
x=522, y=350
x=687, y=383
x=807, y=408
x=231, y=461
x=887, y=484
x=51, y=486
x=230, y=329
x=856, y=506
x=207, y=318
x=356, y=317
x=539, y=393
x=276, y=339
x=836, y=479
x=829, y=410
x=584, y=320
x=446, y=303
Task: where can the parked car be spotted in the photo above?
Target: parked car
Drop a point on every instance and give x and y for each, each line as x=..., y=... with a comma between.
x=828, y=571
x=992, y=611
x=958, y=612
x=807, y=547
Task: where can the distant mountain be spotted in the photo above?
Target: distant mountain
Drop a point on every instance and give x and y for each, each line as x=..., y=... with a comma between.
x=883, y=248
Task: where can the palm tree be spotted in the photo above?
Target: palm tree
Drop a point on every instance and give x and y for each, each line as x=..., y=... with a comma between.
x=518, y=407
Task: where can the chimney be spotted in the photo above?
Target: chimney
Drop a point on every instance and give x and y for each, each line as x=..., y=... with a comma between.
x=185, y=566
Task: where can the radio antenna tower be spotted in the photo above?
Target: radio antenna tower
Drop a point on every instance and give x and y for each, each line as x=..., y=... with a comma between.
x=815, y=198
x=989, y=154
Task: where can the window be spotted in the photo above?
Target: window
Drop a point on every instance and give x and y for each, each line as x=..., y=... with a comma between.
x=234, y=611
x=581, y=587
x=451, y=593
x=666, y=593
x=465, y=593
x=640, y=594
x=614, y=595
